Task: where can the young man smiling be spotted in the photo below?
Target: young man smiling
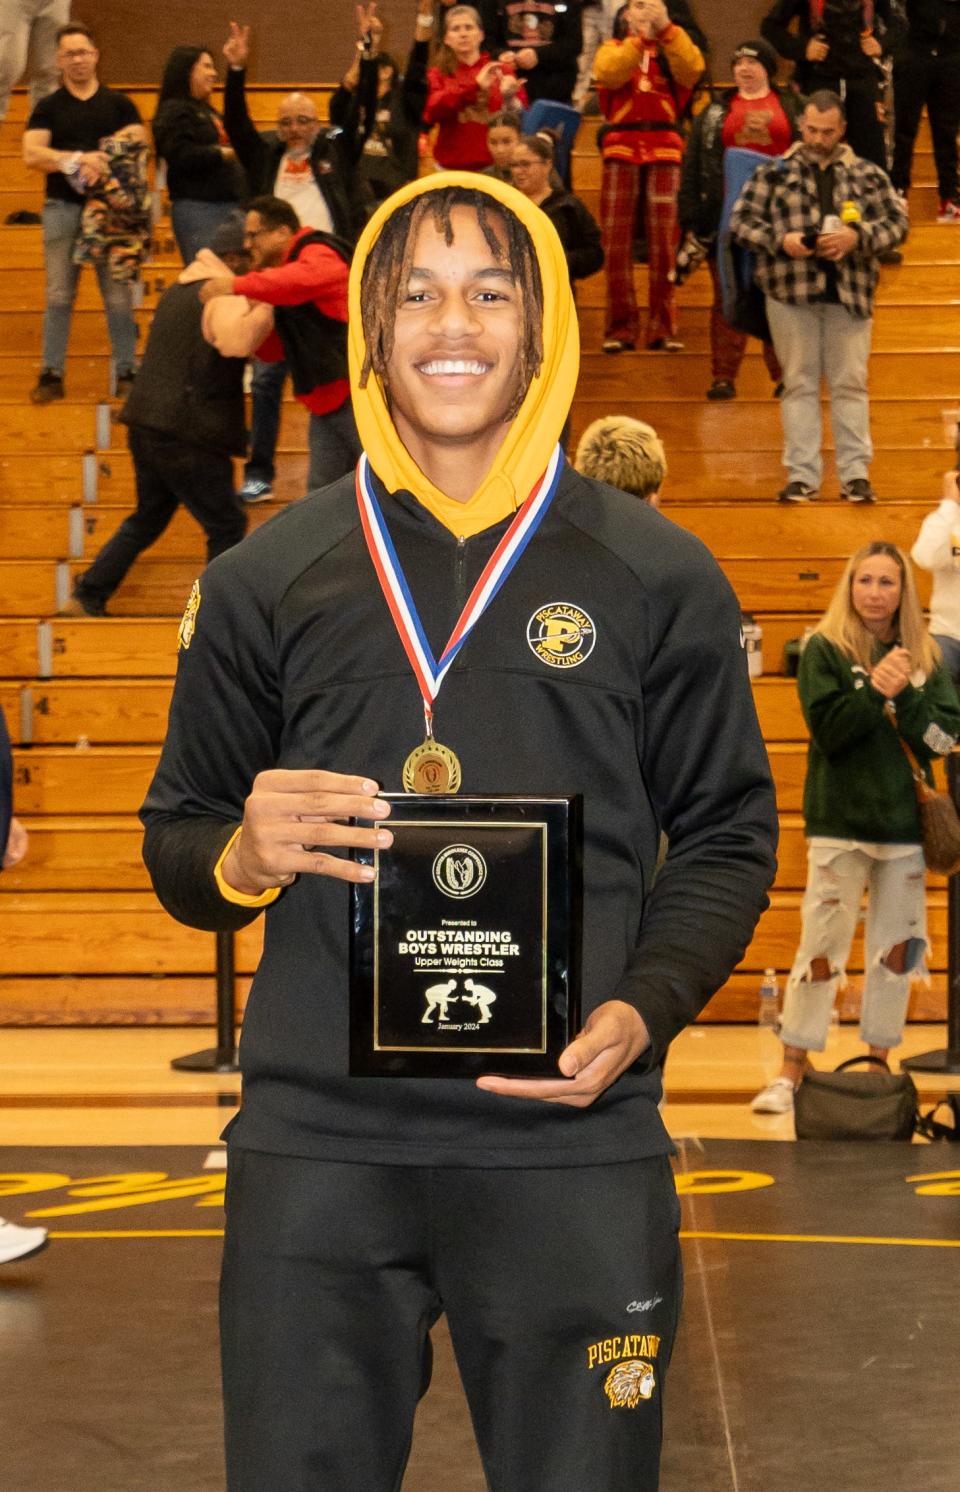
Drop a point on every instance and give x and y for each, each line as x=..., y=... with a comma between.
x=531, y=1211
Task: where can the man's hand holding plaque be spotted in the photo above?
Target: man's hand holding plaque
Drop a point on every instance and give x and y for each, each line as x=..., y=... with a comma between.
x=274, y=845
x=613, y=1037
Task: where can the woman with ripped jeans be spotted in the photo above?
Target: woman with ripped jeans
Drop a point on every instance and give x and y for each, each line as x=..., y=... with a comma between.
x=871, y=677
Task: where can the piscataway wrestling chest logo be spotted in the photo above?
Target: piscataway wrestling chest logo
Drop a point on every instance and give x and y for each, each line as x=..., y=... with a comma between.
x=561, y=634
x=632, y=1377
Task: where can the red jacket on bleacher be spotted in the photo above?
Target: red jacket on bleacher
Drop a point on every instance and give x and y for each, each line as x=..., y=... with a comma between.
x=646, y=83
x=313, y=275
x=462, y=110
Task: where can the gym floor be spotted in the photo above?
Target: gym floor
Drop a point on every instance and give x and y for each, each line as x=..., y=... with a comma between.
x=818, y=1350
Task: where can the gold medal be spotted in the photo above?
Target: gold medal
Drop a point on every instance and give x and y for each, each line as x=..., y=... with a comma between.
x=431, y=768
x=645, y=85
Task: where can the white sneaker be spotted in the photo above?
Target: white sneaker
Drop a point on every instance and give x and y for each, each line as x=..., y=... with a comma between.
x=20, y=1243
x=775, y=1098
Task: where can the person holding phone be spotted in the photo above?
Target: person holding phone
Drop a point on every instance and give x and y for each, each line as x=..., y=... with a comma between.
x=817, y=221
x=645, y=78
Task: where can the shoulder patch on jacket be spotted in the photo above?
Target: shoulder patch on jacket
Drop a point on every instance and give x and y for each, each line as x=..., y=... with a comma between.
x=188, y=622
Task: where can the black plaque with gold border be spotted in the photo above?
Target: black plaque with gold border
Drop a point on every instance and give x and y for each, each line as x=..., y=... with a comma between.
x=465, y=950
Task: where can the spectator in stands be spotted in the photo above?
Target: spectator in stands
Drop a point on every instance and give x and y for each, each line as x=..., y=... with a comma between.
x=840, y=45
x=816, y=222
x=14, y=839
x=62, y=141
x=185, y=419
x=302, y=274
x=753, y=115
x=624, y=453
x=28, y=35
x=871, y=682
x=464, y=89
x=646, y=75
x=542, y=42
x=313, y=169
x=15, y=1242
x=503, y=135
x=598, y=18
x=205, y=182
x=937, y=549
x=596, y=22
x=383, y=109
x=531, y=168
x=308, y=166
x=926, y=70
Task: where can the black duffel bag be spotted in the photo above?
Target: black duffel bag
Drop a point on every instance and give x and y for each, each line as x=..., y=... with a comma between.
x=844, y=1105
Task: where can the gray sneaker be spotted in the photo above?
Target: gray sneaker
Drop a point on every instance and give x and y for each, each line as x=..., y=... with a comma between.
x=797, y=492
x=256, y=490
x=49, y=386
x=858, y=491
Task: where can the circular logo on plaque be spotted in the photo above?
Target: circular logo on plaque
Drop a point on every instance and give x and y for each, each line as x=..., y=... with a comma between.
x=561, y=634
x=459, y=870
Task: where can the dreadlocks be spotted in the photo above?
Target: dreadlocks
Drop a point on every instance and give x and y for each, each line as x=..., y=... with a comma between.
x=388, y=266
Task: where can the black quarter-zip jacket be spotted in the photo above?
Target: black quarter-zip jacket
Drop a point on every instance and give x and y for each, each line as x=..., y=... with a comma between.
x=295, y=663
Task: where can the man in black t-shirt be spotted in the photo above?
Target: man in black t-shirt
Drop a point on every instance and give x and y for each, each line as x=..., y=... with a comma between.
x=62, y=140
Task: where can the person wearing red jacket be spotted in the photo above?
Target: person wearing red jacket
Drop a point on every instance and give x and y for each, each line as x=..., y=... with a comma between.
x=465, y=89
x=302, y=274
x=645, y=77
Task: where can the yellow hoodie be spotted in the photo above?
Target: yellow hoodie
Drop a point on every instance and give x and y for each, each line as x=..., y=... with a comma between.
x=535, y=430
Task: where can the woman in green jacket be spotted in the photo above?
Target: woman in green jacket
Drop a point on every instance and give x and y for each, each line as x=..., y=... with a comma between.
x=869, y=675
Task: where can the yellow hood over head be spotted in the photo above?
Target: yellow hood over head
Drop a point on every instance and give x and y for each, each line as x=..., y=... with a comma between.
x=535, y=430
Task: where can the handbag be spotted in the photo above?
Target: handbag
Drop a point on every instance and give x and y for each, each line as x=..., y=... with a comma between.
x=843, y=1105
x=939, y=821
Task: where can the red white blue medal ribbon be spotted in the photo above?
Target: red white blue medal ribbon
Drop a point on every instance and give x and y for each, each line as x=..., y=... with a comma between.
x=430, y=672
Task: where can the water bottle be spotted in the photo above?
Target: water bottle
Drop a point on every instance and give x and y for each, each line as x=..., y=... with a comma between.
x=753, y=644
x=769, y=1011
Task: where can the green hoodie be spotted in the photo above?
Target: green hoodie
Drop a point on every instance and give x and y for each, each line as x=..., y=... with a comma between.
x=859, y=783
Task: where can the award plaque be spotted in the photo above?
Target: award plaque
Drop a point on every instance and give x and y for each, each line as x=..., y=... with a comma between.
x=465, y=950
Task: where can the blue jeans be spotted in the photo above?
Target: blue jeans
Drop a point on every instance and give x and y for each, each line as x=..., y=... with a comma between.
x=334, y=446
x=268, y=381
x=194, y=223
x=61, y=223
x=815, y=343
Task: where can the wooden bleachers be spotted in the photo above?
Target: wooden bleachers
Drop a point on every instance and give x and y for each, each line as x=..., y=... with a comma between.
x=84, y=940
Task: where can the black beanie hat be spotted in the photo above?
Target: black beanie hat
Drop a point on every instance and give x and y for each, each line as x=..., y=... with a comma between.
x=762, y=52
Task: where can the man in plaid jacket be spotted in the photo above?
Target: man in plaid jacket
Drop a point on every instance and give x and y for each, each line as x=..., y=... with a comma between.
x=816, y=219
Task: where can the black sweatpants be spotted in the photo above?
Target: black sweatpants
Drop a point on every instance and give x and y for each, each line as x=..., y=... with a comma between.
x=866, y=133
x=168, y=473
x=918, y=79
x=561, y=1289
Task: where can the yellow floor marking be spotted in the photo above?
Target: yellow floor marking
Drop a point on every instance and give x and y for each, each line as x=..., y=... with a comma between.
x=143, y=1233
x=920, y=1243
